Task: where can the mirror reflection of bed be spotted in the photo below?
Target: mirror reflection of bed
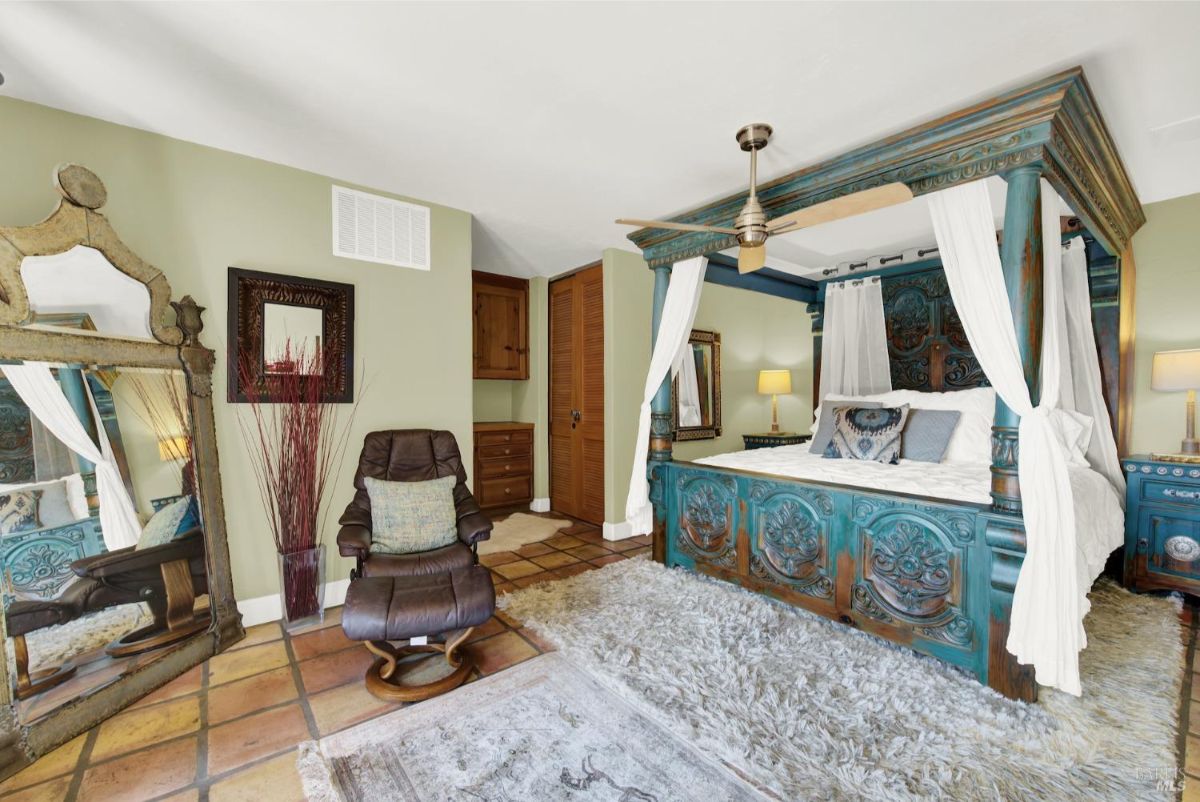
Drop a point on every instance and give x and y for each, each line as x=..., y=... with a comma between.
x=102, y=557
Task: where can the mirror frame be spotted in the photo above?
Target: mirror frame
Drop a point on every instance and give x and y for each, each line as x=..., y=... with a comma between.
x=75, y=221
x=700, y=432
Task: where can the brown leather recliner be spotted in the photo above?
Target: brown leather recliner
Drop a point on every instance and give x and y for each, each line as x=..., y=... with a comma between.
x=410, y=455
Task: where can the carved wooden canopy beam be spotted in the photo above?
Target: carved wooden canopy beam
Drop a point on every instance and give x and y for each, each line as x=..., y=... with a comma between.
x=1053, y=123
x=76, y=221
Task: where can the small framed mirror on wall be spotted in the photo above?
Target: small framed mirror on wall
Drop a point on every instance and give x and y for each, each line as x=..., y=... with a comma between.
x=696, y=391
x=114, y=567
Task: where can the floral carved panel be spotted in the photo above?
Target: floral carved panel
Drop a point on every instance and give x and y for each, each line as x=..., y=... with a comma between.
x=927, y=346
x=706, y=528
x=791, y=538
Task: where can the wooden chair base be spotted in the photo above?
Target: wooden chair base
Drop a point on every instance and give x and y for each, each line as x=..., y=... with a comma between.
x=383, y=683
x=156, y=636
x=39, y=681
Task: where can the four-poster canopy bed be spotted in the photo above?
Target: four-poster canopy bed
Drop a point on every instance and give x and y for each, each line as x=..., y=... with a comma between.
x=818, y=545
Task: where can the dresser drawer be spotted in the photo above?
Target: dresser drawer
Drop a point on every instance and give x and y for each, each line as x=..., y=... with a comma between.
x=483, y=439
x=509, y=490
x=1154, y=490
x=510, y=466
x=1169, y=542
x=503, y=451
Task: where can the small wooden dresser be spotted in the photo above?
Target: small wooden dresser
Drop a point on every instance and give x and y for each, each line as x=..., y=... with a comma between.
x=503, y=464
x=1162, y=525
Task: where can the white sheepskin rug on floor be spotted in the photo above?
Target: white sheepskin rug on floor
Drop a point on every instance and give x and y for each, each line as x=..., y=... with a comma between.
x=807, y=709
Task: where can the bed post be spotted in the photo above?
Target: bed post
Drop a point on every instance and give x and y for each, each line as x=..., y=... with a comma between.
x=1021, y=258
x=660, y=420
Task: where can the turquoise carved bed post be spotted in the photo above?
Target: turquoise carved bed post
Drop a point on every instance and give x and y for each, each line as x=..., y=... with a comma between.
x=660, y=418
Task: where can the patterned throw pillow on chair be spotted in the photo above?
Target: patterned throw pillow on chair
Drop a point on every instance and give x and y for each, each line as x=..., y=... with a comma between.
x=170, y=521
x=408, y=517
x=867, y=434
x=19, y=511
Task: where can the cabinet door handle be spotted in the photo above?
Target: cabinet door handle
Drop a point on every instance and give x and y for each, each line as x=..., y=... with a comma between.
x=1190, y=495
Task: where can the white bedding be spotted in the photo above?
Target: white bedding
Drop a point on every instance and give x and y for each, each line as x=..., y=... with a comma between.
x=1100, y=521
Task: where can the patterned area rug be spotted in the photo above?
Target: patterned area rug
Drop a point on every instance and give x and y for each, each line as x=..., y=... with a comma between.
x=543, y=730
x=520, y=529
x=810, y=709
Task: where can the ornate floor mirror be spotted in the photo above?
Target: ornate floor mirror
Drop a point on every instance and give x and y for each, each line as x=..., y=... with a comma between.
x=115, y=567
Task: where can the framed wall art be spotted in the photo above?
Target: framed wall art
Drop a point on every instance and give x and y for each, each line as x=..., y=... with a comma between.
x=278, y=324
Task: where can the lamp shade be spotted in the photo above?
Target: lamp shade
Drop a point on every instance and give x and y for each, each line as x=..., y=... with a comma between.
x=174, y=448
x=774, y=382
x=1173, y=371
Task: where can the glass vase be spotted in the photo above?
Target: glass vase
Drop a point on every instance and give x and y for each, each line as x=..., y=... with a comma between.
x=302, y=588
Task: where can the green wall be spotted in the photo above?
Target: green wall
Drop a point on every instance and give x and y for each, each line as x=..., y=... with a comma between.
x=493, y=399
x=757, y=331
x=1167, y=254
x=193, y=211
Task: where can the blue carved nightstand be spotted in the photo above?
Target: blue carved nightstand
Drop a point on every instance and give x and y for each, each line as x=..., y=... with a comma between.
x=772, y=439
x=1162, y=525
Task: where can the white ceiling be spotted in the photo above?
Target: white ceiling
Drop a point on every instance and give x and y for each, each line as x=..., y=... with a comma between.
x=547, y=121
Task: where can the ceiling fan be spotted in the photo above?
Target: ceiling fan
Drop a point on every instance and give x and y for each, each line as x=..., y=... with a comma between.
x=751, y=226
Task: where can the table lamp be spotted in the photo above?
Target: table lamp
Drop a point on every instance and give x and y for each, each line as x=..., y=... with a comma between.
x=774, y=383
x=1173, y=371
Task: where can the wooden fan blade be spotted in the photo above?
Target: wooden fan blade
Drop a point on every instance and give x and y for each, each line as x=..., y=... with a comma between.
x=751, y=259
x=676, y=226
x=846, y=206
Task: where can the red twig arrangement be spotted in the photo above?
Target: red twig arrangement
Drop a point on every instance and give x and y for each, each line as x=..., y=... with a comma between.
x=295, y=443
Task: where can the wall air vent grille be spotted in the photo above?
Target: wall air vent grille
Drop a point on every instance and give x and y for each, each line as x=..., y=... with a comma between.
x=373, y=228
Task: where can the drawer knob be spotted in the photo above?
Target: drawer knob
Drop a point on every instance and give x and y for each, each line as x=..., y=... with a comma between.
x=507, y=451
x=508, y=491
x=1182, y=549
x=1189, y=495
x=507, y=468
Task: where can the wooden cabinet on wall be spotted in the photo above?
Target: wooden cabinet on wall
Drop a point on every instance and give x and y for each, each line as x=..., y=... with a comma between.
x=503, y=464
x=501, y=333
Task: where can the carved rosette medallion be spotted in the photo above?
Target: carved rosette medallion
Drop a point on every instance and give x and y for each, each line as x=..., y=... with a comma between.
x=706, y=517
x=912, y=561
x=792, y=538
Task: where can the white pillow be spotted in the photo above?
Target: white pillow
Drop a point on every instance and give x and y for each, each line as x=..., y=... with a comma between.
x=63, y=500
x=972, y=438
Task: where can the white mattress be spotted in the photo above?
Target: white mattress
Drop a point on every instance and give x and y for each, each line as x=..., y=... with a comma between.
x=1099, y=518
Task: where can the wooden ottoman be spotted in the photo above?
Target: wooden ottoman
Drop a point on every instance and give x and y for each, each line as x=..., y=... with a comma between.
x=432, y=613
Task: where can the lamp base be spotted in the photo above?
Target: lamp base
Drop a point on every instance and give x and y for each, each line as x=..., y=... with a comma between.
x=1190, y=446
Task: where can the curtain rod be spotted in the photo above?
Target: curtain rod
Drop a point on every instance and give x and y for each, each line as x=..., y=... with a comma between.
x=880, y=261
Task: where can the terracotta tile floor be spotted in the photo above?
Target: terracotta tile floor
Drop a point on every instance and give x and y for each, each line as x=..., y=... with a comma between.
x=228, y=729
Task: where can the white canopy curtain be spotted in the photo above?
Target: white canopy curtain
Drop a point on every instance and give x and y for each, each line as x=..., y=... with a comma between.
x=670, y=347
x=689, y=389
x=1050, y=600
x=854, y=355
x=38, y=389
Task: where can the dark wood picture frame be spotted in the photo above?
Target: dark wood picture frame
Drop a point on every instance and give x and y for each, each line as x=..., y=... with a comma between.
x=249, y=293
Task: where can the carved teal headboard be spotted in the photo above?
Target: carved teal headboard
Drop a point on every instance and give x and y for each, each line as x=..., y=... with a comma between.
x=38, y=563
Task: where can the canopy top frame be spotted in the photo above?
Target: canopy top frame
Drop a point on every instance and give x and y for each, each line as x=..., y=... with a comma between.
x=1053, y=124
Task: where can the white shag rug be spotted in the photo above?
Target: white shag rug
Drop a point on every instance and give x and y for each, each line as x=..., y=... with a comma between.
x=520, y=529
x=53, y=646
x=812, y=710
x=543, y=730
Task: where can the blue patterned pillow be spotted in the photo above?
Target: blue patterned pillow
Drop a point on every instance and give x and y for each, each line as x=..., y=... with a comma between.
x=867, y=434
x=168, y=522
x=408, y=517
x=19, y=511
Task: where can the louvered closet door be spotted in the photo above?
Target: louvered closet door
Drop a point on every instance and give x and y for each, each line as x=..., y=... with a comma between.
x=577, y=395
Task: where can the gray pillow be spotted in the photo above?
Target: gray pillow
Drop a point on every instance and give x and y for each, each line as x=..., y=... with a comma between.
x=927, y=434
x=408, y=517
x=824, y=433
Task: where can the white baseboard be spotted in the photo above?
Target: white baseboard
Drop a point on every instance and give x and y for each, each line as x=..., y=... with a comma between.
x=617, y=531
x=262, y=609
x=540, y=505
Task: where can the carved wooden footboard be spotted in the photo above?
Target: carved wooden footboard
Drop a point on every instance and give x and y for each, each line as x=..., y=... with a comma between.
x=930, y=574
